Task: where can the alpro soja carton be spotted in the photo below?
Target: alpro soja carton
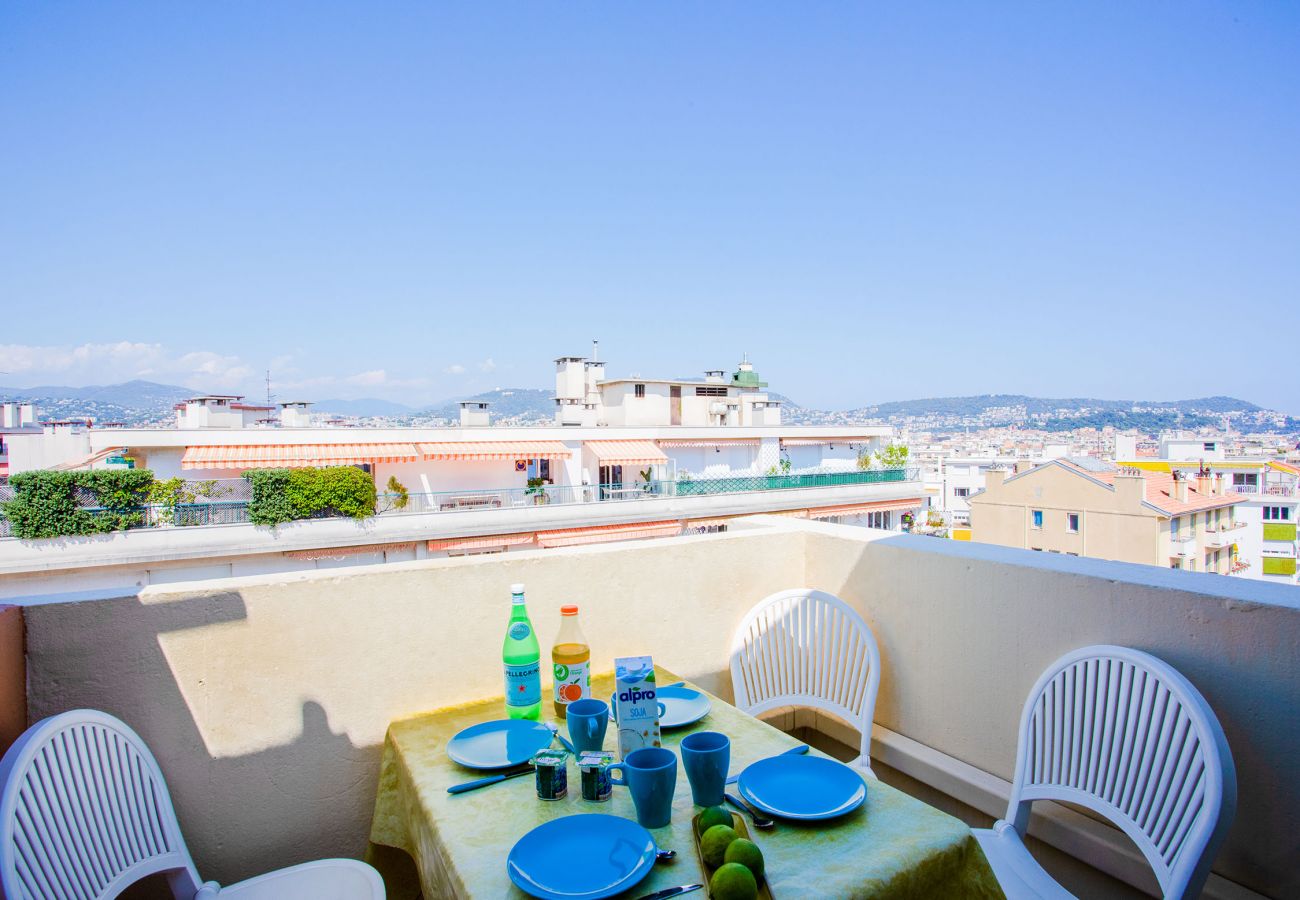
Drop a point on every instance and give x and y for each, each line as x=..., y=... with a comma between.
x=635, y=706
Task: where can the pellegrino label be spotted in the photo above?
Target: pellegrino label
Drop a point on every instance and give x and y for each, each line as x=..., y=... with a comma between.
x=523, y=684
x=572, y=682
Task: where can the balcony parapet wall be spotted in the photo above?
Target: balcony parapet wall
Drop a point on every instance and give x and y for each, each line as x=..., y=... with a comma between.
x=267, y=698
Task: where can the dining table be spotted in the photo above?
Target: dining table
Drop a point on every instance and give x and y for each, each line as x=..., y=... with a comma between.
x=892, y=846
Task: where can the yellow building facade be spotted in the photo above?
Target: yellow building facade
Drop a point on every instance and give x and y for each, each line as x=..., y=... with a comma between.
x=1126, y=515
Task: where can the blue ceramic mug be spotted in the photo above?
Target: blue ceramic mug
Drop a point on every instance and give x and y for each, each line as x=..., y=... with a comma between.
x=651, y=775
x=588, y=720
x=705, y=757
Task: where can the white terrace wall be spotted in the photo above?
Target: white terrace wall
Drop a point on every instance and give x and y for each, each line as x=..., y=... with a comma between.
x=267, y=698
x=966, y=629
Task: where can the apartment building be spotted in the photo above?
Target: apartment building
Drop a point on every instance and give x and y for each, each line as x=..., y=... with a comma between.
x=1086, y=507
x=584, y=397
x=477, y=488
x=1263, y=529
x=15, y=419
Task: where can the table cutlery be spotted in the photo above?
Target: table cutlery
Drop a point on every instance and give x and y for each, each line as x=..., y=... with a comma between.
x=793, y=751
x=491, y=779
x=672, y=892
x=665, y=855
x=568, y=745
x=759, y=820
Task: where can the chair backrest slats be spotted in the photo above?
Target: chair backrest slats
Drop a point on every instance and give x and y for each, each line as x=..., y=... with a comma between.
x=1124, y=734
x=807, y=648
x=85, y=811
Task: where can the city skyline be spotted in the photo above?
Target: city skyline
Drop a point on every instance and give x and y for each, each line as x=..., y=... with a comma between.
x=874, y=204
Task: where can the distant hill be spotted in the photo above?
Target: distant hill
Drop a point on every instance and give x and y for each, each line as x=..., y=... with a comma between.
x=366, y=407
x=976, y=405
x=131, y=402
x=1053, y=414
x=505, y=403
x=150, y=403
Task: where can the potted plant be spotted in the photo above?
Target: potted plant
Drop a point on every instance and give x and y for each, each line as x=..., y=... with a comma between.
x=537, y=488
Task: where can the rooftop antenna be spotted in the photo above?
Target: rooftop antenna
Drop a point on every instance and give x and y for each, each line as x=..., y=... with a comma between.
x=269, y=395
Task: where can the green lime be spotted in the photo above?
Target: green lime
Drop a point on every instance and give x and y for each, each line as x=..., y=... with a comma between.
x=733, y=882
x=747, y=854
x=714, y=815
x=714, y=842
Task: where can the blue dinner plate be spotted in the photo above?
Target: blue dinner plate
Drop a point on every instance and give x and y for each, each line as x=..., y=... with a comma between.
x=802, y=787
x=682, y=706
x=499, y=745
x=581, y=857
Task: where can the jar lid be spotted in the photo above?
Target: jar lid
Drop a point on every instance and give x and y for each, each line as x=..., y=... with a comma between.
x=569, y=610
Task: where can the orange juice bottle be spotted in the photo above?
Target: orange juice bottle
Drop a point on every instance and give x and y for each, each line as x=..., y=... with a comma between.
x=571, y=659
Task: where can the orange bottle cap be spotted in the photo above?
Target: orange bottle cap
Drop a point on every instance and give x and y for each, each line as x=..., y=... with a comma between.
x=569, y=610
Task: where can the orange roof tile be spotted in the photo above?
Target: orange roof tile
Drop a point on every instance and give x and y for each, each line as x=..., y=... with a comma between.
x=1161, y=495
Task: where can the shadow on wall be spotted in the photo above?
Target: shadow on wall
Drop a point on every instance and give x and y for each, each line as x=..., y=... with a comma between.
x=289, y=799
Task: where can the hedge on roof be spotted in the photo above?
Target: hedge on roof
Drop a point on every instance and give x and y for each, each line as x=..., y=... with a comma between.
x=286, y=495
x=50, y=504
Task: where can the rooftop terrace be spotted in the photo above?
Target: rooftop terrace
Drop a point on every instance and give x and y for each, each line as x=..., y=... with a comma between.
x=266, y=698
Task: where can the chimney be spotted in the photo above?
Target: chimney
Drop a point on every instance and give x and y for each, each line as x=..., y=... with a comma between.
x=1178, y=489
x=994, y=478
x=1130, y=488
x=473, y=414
x=1217, y=490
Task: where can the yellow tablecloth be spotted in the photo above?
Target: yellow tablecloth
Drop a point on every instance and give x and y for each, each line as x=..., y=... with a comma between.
x=892, y=846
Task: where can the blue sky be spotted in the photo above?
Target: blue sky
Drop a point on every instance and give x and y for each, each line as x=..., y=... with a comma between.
x=876, y=202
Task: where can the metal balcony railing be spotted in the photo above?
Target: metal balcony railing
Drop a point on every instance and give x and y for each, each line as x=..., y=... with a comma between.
x=228, y=503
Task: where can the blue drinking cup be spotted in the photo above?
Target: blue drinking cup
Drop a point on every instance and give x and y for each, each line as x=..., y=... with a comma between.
x=651, y=775
x=588, y=720
x=706, y=756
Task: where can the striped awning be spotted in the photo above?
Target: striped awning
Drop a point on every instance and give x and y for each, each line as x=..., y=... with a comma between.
x=482, y=542
x=854, y=509
x=788, y=513
x=621, y=452
x=488, y=450
x=600, y=534
x=709, y=442
x=340, y=552
x=817, y=441
x=294, y=456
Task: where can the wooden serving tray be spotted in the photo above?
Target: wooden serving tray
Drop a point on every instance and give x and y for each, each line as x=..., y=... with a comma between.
x=742, y=830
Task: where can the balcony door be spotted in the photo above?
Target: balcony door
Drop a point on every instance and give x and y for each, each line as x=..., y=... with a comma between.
x=675, y=404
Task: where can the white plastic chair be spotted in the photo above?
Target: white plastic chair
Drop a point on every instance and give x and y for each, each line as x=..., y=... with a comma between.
x=808, y=648
x=1125, y=735
x=85, y=813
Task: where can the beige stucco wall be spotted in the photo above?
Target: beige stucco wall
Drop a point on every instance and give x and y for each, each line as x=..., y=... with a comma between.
x=1108, y=529
x=965, y=629
x=266, y=699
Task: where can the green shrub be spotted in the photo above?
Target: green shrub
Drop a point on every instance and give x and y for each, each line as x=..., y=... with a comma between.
x=269, y=504
x=286, y=495
x=49, y=504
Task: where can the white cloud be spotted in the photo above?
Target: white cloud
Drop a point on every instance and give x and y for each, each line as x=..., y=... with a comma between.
x=369, y=379
x=26, y=365
x=487, y=365
x=454, y=369
x=122, y=361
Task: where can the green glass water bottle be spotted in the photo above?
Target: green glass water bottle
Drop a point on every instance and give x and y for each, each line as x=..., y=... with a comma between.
x=522, y=657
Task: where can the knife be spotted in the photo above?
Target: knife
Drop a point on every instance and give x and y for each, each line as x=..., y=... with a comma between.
x=491, y=779
x=793, y=751
x=671, y=892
